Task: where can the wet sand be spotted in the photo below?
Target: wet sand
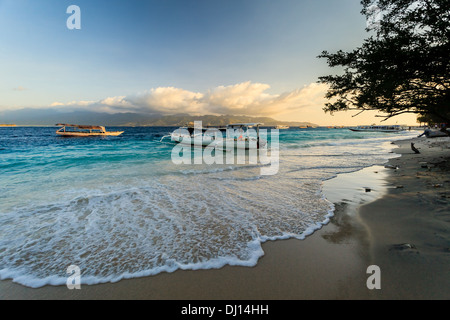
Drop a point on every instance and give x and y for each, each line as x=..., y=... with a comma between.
x=405, y=232
x=410, y=226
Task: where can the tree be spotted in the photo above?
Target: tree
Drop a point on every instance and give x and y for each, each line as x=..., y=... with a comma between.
x=402, y=67
x=429, y=119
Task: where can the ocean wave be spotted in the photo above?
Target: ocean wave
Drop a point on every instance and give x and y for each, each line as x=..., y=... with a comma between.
x=215, y=169
x=151, y=229
x=128, y=211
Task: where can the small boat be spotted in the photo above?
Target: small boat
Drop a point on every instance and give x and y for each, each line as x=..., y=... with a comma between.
x=237, y=135
x=75, y=130
x=373, y=128
x=281, y=126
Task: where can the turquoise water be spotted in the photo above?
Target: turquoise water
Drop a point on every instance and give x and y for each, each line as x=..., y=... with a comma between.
x=118, y=207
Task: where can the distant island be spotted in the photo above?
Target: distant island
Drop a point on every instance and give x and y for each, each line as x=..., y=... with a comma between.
x=7, y=125
x=48, y=117
x=212, y=120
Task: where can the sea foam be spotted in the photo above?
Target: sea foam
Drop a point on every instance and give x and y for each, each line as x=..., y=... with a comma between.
x=126, y=211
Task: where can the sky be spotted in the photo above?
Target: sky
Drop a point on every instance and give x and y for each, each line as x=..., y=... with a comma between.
x=242, y=57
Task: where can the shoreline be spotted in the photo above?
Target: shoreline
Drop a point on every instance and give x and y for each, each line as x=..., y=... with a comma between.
x=410, y=226
x=289, y=269
x=331, y=263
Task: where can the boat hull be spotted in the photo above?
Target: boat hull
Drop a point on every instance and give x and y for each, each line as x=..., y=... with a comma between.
x=87, y=134
x=374, y=130
x=224, y=144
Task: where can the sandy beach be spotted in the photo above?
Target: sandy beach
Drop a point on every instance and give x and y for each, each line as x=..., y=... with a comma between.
x=410, y=226
x=397, y=218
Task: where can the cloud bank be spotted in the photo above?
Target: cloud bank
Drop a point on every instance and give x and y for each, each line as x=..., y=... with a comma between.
x=245, y=98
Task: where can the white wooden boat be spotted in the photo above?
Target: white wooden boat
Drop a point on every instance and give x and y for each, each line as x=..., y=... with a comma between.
x=237, y=135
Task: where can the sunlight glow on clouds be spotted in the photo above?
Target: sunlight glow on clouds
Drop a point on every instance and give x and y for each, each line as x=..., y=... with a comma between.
x=73, y=103
x=168, y=100
x=244, y=98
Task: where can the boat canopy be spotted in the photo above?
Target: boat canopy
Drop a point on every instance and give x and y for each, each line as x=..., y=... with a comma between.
x=233, y=125
x=81, y=126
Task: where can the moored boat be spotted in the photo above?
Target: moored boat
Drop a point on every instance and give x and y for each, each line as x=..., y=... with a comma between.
x=75, y=130
x=237, y=135
x=392, y=128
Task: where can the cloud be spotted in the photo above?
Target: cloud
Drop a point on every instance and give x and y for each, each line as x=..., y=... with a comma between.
x=19, y=88
x=244, y=98
x=73, y=103
x=169, y=100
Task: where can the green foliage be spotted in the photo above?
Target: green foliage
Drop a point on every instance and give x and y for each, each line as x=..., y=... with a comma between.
x=403, y=67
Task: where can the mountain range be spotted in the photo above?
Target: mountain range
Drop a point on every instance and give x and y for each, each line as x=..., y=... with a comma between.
x=48, y=117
